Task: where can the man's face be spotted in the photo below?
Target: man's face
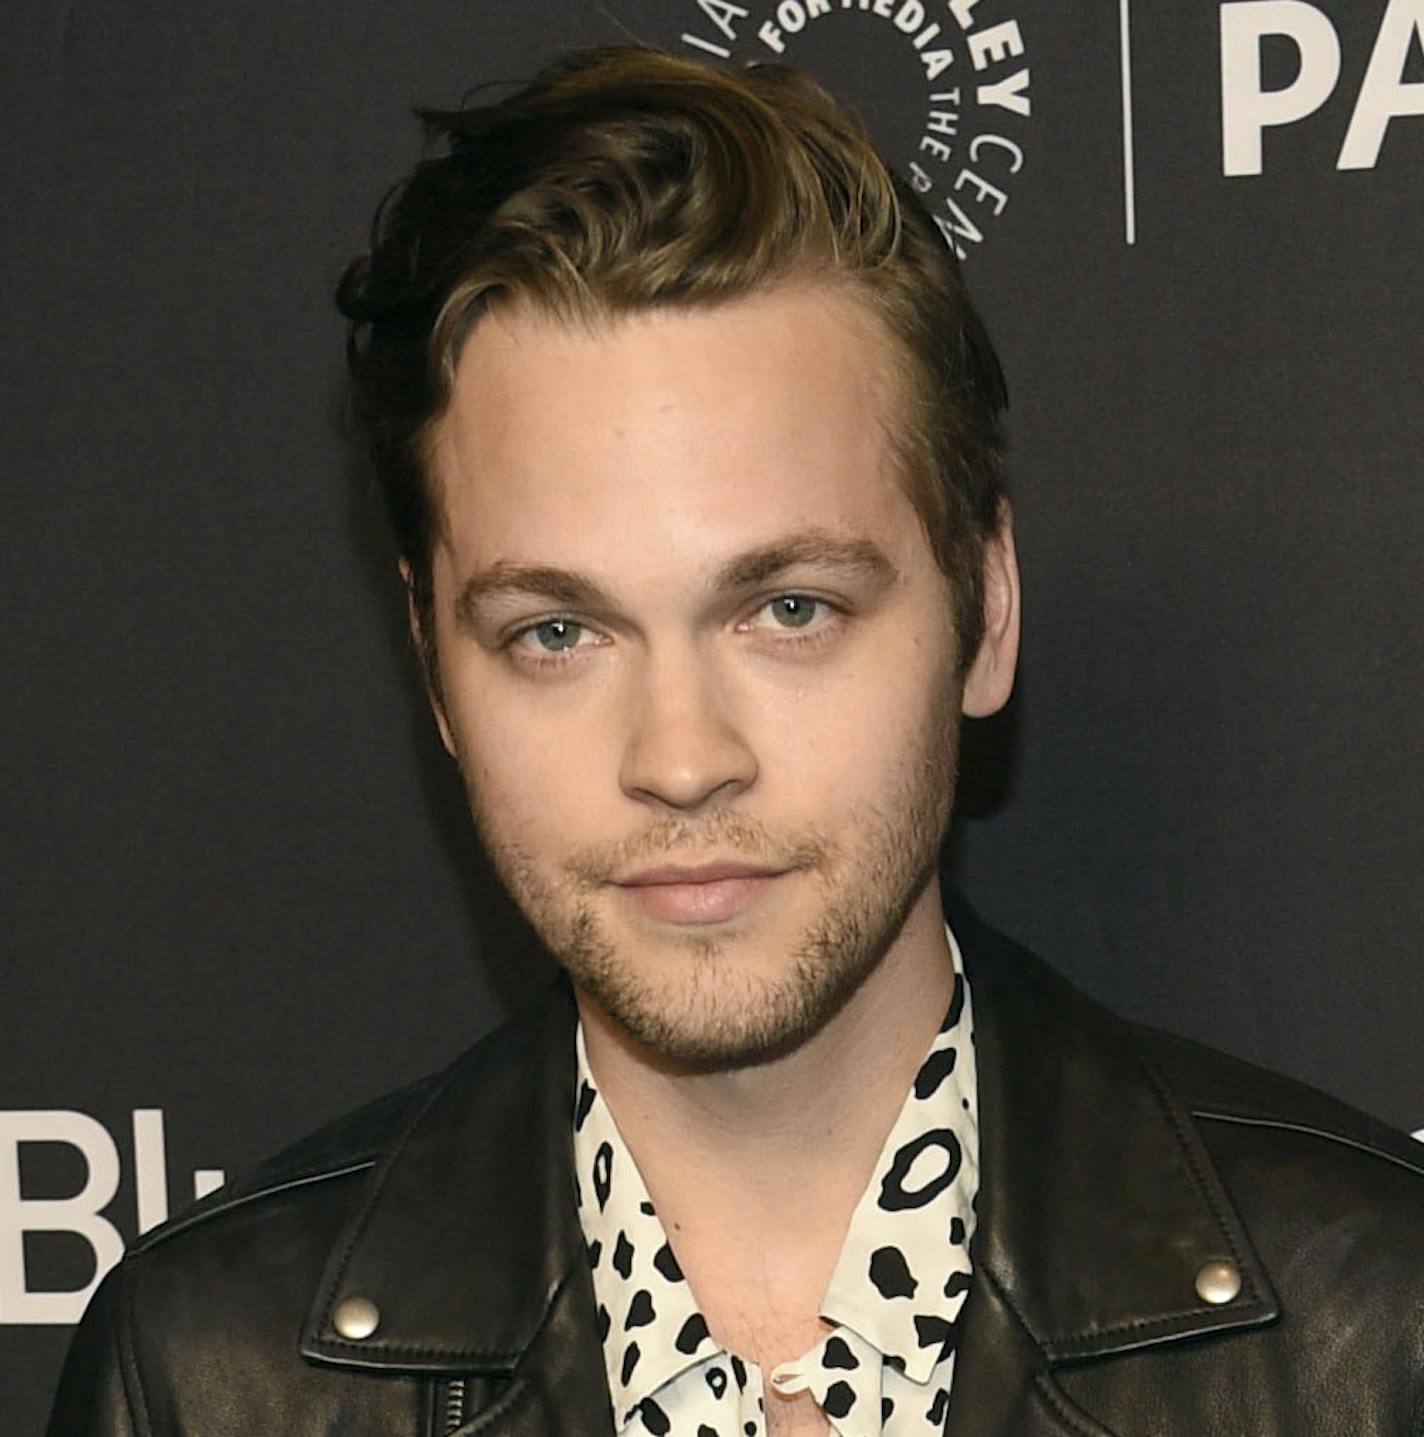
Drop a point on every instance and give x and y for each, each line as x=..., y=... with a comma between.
x=697, y=662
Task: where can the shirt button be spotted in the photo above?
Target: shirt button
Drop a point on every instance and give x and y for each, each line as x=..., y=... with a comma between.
x=1219, y=1283
x=356, y=1318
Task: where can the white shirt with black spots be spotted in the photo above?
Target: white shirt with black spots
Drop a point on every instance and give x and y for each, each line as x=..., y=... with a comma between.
x=893, y=1301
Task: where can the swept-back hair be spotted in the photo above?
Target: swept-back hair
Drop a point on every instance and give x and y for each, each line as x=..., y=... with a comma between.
x=624, y=179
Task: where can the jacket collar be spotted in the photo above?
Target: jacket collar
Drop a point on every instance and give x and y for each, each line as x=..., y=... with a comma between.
x=468, y=1232
x=1098, y=1206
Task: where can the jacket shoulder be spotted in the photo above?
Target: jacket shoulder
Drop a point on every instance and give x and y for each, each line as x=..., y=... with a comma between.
x=345, y=1147
x=1221, y=1090
x=175, y=1331
x=360, y=1140
x=1332, y=1202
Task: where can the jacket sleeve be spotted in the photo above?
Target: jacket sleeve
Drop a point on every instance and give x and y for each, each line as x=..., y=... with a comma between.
x=99, y=1393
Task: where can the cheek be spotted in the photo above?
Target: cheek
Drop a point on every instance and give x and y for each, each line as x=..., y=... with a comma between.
x=872, y=730
x=533, y=776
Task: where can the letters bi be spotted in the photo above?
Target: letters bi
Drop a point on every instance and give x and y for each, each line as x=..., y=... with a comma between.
x=81, y=1213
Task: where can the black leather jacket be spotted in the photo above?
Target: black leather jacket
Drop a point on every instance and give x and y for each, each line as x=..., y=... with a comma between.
x=1117, y=1163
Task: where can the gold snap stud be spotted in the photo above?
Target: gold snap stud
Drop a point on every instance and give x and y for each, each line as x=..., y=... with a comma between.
x=356, y=1318
x=1219, y=1283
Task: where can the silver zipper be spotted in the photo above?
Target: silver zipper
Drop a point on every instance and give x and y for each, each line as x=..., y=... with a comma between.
x=454, y=1403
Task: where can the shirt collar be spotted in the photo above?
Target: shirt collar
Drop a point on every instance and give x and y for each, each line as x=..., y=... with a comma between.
x=903, y=1270
x=647, y=1316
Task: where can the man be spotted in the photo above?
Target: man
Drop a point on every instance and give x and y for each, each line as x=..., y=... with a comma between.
x=691, y=441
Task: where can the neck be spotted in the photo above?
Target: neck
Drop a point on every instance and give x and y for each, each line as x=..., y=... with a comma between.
x=735, y=1142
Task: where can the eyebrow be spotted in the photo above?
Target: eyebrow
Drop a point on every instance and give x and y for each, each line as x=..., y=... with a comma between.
x=561, y=586
x=812, y=548
x=568, y=588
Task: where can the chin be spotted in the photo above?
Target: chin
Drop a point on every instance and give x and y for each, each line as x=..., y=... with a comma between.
x=690, y=1026
x=756, y=987
x=718, y=1001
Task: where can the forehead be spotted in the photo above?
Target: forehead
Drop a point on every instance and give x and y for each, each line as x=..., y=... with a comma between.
x=669, y=440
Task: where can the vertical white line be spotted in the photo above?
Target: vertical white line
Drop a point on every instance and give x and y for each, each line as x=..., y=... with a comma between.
x=1129, y=188
x=150, y=1168
x=712, y=49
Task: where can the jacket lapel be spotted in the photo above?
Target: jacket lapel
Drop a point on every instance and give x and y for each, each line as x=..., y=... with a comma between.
x=1002, y=1385
x=559, y=1384
x=469, y=1243
x=1098, y=1204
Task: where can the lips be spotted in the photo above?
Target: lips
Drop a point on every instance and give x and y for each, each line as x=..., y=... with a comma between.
x=677, y=873
x=700, y=893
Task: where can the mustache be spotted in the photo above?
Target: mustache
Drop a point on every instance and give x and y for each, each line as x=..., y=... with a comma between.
x=724, y=834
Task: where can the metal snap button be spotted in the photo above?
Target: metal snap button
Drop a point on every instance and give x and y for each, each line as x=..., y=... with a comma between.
x=356, y=1318
x=1219, y=1283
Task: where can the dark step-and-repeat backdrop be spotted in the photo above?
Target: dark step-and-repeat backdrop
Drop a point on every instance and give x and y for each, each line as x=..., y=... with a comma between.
x=239, y=890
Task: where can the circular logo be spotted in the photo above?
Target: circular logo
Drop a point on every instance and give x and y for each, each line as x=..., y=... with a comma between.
x=943, y=85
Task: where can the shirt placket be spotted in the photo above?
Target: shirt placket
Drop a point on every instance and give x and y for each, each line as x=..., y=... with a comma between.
x=842, y=1375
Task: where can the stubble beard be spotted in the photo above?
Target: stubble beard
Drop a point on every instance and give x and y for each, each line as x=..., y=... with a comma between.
x=702, y=1009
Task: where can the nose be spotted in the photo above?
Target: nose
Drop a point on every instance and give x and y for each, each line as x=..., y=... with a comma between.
x=683, y=748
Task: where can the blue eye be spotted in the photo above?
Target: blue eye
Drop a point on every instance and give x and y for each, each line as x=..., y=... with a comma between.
x=793, y=611
x=557, y=635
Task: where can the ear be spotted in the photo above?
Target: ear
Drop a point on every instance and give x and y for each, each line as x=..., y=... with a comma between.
x=426, y=652
x=990, y=678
